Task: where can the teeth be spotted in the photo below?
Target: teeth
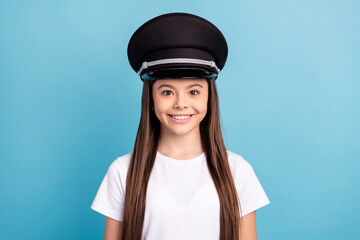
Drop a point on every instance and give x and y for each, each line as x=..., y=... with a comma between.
x=180, y=117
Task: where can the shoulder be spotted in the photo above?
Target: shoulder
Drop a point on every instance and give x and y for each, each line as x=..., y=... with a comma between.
x=237, y=161
x=121, y=164
x=251, y=194
x=238, y=165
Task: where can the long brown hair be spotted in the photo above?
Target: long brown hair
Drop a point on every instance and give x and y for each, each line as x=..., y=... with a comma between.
x=143, y=157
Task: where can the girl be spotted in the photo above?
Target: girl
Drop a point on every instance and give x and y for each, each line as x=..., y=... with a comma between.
x=180, y=181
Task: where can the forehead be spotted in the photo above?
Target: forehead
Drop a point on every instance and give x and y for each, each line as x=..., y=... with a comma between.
x=181, y=82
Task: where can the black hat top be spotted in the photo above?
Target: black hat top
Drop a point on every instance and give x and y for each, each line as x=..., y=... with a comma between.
x=177, y=45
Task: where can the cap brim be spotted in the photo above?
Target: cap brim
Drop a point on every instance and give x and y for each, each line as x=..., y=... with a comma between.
x=178, y=71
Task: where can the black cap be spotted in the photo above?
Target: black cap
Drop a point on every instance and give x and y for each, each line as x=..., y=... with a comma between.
x=177, y=45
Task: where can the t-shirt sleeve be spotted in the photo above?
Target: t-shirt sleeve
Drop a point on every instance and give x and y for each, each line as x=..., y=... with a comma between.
x=110, y=197
x=251, y=194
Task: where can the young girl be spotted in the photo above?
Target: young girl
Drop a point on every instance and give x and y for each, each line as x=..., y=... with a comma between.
x=179, y=182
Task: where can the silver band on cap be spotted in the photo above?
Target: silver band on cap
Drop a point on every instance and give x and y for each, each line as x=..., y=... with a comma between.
x=177, y=60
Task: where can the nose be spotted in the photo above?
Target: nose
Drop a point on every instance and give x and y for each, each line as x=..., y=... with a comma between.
x=181, y=102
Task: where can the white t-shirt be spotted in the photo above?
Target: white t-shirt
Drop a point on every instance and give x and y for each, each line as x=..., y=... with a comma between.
x=181, y=201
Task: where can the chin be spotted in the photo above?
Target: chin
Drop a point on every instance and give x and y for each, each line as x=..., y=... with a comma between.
x=179, y=131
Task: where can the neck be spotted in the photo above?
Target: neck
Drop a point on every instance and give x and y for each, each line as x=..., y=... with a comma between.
x=180, y=146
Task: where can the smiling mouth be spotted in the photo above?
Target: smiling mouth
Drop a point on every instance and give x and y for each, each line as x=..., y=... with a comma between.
x=181, y=117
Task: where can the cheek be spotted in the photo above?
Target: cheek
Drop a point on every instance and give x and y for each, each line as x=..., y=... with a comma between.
x=161, y=106
x=201, y=106
x=205, y=103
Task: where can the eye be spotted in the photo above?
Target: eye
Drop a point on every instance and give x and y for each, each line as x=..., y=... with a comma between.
x=166, y=92
x=194, y=92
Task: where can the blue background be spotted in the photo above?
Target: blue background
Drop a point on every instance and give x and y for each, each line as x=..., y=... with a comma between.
x=70, y=104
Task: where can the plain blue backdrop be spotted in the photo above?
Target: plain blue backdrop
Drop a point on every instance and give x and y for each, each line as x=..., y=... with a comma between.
x=70, y=104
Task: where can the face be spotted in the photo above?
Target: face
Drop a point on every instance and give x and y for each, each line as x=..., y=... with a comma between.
x=180, y=104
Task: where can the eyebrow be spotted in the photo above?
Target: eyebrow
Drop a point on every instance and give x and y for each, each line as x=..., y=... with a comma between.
x=190, y=86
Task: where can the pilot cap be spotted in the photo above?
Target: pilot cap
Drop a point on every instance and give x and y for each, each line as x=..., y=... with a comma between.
x=177, y=45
